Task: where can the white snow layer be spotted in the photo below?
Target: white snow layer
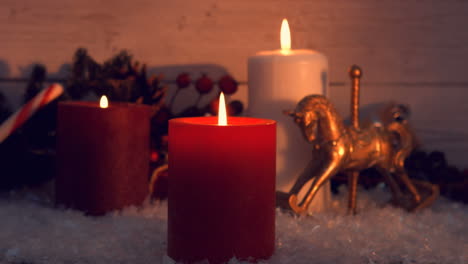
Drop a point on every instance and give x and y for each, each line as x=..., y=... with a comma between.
x=32, y=231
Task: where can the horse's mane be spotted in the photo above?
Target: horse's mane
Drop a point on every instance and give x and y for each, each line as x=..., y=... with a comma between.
x=314, y=102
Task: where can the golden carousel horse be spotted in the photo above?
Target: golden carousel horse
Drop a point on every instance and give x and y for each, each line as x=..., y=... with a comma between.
x=350, y=149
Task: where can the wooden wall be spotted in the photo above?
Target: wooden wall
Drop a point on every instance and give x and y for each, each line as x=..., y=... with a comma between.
x=411, y=51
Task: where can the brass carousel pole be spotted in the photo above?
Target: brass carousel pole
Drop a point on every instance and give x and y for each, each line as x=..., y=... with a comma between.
x=355, y=73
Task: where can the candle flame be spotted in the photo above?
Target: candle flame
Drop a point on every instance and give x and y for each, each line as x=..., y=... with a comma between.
x=222, y=116
x=285, y=36
x=103, y=103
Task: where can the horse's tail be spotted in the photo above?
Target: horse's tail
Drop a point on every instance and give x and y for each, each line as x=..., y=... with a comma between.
x=402, y=135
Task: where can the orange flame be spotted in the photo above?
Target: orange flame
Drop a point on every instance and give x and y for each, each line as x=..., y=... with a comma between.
x=103, y=103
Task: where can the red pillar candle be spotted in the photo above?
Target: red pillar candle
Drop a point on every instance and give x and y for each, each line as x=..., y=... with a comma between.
x=221, y=189
x=102, y=156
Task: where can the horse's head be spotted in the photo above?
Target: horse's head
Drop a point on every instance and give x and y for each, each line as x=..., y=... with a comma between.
x=307, y=122
x=317, y=118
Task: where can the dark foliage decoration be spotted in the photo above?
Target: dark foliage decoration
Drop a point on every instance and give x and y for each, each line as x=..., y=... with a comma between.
x=120, y=78
x=421, y=165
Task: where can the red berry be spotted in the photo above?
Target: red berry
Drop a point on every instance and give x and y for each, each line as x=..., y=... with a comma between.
x=183, y=80
x=204, y=84
x=227, y=84
x=236, y=107
x=154, y=156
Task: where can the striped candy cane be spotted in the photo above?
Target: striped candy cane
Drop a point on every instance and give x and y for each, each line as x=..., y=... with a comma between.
x=27, y=110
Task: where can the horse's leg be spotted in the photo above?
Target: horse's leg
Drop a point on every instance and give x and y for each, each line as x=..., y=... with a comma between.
x=399, y=166
x=401, y=172
x=329, y=169
x=307, y=174
x=352, y=191
x=395, y=189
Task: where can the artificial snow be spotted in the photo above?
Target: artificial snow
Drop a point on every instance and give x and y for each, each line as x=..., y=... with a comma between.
x=32, y=231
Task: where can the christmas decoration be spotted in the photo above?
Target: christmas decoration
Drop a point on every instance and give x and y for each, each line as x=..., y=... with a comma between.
x=34, y=143
x=350, y=149
x=27, y=153
x=227, y=84
x=183, y=80
x=236, y=107
x=204, y=84
x=120, y=78
x=26, y=111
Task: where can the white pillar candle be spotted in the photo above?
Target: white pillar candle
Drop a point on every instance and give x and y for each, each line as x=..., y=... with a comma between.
x=277, y=81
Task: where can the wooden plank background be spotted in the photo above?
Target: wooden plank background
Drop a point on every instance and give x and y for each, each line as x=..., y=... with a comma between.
x=414, y=52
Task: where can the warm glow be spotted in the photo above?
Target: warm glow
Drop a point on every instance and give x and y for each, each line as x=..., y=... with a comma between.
x=222, y=116
x=104, y=103
x=285, y=36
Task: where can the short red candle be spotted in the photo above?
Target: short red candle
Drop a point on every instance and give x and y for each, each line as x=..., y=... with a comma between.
x=102, y=156
x=221, y=189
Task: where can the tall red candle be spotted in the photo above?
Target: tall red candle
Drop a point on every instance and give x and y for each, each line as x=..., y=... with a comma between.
x=221, y=189
x=102, y=156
